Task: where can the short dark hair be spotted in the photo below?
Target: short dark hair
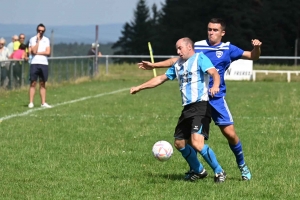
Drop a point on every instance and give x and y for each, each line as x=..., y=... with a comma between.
x=40, y=25
x=218, y=21
x=22, y=46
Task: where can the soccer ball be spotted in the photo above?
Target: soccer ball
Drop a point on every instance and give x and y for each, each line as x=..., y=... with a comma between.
x=162, y=150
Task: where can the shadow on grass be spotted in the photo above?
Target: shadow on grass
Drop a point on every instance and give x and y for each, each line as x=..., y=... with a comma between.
x=180, y=177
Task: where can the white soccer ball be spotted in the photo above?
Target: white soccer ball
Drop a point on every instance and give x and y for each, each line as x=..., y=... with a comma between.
x=162, y=150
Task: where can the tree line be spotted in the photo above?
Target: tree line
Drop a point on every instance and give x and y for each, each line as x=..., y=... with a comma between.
x=78, y=49
x=275, y=22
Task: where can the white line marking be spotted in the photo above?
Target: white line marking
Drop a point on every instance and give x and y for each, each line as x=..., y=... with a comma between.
x=59, y=104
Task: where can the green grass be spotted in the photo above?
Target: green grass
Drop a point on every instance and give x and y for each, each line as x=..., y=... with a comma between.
x=100, y=148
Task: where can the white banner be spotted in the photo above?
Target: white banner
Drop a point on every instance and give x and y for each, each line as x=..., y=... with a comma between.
x=239, y=70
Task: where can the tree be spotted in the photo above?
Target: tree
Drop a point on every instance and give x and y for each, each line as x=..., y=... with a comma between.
x=135, y=34
x=275, y=22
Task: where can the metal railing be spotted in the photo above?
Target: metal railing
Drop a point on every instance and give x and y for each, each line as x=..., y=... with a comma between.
x=15, y=73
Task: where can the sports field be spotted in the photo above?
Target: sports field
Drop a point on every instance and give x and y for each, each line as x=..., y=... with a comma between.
x=95, y=143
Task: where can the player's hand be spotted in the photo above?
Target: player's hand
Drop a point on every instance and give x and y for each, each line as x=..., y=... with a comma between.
x=214, y=90
x=256, y=43
x=134, y=90
x=146, y=65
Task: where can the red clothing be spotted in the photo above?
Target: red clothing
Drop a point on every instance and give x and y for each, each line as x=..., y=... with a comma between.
x=18, y=54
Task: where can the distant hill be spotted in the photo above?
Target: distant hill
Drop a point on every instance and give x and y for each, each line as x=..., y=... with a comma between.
x=108, y=33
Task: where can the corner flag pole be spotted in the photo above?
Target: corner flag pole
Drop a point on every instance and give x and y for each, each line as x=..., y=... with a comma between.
x=151, y=55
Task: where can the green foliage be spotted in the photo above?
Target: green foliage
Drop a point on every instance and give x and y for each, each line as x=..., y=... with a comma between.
x=136, y=35
x=276, y=23
x=75, y=49
x=100, y=147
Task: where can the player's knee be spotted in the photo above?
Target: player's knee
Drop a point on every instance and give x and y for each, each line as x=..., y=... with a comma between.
x=179, y=144
x=197, y=141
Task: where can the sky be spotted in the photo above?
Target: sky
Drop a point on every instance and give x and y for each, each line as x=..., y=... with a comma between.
x=70, y=12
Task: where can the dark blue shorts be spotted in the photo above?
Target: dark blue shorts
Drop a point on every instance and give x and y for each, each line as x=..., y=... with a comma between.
x=38, y=71
x=220, y=112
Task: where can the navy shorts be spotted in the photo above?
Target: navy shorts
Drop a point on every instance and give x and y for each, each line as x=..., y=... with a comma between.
x=194, y=118
x=220, y=111
x=38, y=71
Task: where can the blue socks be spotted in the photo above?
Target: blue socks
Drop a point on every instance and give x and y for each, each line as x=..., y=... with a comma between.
x=238, y=152
x=191, y=157
x=210, y=157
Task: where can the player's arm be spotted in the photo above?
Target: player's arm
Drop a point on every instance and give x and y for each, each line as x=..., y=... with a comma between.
x=255, y=53
x=158, y=80
x=216, y=80
x=163, y=64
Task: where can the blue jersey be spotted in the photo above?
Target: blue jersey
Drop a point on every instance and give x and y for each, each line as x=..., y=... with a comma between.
x=221, y=56
x=192, y=77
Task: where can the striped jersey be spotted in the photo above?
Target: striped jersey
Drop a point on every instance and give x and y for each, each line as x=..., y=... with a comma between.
x=192, y=77
x=221, y=55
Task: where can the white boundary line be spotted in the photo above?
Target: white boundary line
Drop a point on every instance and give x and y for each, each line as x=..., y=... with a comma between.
x=60, y=104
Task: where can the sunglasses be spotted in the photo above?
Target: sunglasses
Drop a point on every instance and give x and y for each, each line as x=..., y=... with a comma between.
x=22, y=38
x=41, y=31
x=2, y=43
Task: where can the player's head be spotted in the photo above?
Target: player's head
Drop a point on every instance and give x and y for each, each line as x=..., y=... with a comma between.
x=185, y=48
x=216, y=30
x=41, y=29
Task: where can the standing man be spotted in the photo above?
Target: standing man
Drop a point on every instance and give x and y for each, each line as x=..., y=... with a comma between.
x=39, y=48
x=92, y=50
x=10, y=46
x=4, y=55
x=20, y=41
x=221, y=55
x=192, y=71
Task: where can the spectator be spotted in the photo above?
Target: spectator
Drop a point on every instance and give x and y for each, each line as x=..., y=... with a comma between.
x=4, y=55
x=20, y=41
x=92, y=51
x=16, y=66
x=39, y=48
x=10, y=46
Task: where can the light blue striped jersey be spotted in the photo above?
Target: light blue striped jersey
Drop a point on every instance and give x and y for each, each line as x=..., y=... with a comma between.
x=192, y=77
x=221, y=55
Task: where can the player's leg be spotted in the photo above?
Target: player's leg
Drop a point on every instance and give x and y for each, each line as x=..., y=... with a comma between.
x=200, y=127
x=191, y=158
x=236, y=147
x=223, y=118
x=182, y=134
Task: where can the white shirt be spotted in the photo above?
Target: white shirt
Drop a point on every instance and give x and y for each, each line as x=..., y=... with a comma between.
x=43, y=44
x=4, y=55
x=10, y=48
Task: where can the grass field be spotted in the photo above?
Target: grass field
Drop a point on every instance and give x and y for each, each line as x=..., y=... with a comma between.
x=95, y=143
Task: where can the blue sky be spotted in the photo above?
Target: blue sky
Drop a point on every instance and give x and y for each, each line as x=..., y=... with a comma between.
x=69, y=12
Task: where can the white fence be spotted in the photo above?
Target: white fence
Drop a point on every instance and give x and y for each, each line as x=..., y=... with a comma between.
x=65, y=68
x=266, y=72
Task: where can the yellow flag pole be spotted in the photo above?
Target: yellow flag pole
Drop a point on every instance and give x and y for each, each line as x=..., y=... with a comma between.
x=151, y=55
